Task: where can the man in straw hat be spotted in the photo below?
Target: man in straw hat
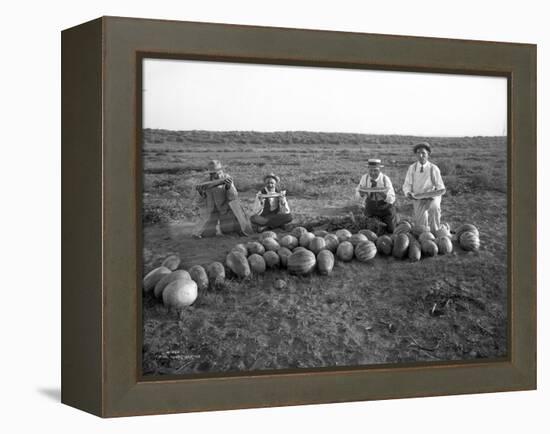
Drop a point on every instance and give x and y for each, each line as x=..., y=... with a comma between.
x=271, y=208
x=378, y=203
x=424, y=178
x=219, y=204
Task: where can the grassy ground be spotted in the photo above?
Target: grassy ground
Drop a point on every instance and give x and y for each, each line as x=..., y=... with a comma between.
x=444, y=308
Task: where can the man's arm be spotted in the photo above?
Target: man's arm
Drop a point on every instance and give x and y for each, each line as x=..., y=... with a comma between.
x=258, y=204
x=362, y=184
x=232, y=193
x=390, y=194
x=407, y=185
x=283, y=205
x=439, y=185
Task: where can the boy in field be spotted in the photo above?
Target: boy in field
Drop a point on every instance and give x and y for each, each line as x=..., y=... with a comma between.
x=378, y=204
x=271, y=208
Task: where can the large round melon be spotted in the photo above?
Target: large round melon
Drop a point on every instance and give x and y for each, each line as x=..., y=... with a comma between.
x=272, y=259
x=289, y=241
x=198, y=274
x=180, y=293
x=216, y=274
x=400, y=246
x=466, y=227
x=405, y=222
x=365, y=251
x=317, y=244
x=169, y=278
x=425, y=236
x=325, y=262
x=284, y=253
x=344, y=252
x=257, y=263
x=241, y=248
x=402, y=229
x=298, y=231
x=369, y=234
x=171, y=262
x=331, y=242
x=299, y=249
x=268, y=234
x=429, y=248
x=255, y=247
x=414, y=251
x=305, y=239
x=442, y=232
x=270, y=244
x=301, y=262
x=384, y=244
x=357, y=238
x=238, y=264
x=320, y=233
x=153, y=277
x=343, y=234
x=469, y=241
x=444, y=245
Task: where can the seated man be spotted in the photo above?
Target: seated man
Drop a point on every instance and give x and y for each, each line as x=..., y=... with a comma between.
x=424, y=177
x=218, y=201
x=271, y=212
x=378, y=204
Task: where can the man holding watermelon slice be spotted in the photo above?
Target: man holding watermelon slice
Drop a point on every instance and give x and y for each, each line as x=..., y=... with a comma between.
x=423, y=184
x=379, y=194
x=271, y=208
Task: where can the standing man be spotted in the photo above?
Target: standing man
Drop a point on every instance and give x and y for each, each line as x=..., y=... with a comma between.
x=424, y=177
x=219, y=204
x=378, y=204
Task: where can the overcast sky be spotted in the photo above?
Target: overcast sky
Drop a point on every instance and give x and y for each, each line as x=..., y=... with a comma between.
x=197, y=95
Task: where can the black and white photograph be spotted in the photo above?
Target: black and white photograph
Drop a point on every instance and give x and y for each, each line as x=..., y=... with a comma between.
x=299, y=217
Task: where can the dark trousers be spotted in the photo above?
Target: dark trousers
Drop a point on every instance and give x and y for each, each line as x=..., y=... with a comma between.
x=228, y=224
x=384, y=211
x=271, y=221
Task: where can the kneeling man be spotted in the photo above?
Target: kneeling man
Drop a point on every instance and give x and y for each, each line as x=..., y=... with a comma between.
x=378, y=204
x=271, y=208
x=424, y=177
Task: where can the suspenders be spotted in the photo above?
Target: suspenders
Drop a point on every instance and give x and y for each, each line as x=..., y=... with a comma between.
x=432, y=175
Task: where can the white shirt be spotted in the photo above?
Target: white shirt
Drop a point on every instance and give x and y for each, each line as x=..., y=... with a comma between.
x=417, y=181
x=282, y=202
x=381, y=181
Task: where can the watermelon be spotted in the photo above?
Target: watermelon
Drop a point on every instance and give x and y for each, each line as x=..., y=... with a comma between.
x=320, y=233
x=272, y=259
x=444, y=245
x=469, y=240
x=299, y=249
x=357, y=238
x=331, y=242
x=467, y=227
x=325, y=262
x=442, y=232
x=270, y=244
x=305, y=239
x=414, y=251
x=268, y=234
x=344, y=252
x=384, y=244
x=284, y=253
x=255, y=247
x=343, y=234
x=425, y=236
x=317, y=244
x=198, y=274
x=402, y=229
x=152, y=278
x=169, y=278
x=289, y=241
x=365, y=251
x=417, y=230
x=171, y=262
x=371, y=236
x=400, y=246
x=180, y=293
x=301, y=262
x=216, y=274
x=238, y=264
x=429, y=248
x=298, y=231
x=405, y=222
x=241, y=248
x=256, y=263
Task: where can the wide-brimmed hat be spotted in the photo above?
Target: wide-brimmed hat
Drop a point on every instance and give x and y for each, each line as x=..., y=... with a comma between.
x=424, y=145
x=273, y=176
x=374, y=162
x=214, y=166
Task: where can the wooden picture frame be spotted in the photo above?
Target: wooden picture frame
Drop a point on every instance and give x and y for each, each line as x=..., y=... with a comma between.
x=101, y=275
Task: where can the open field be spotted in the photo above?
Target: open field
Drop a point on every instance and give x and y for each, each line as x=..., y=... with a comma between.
x=444, y=308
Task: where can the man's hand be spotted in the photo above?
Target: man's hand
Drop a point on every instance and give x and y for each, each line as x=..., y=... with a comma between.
x=228, y=182
x=410, y=195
